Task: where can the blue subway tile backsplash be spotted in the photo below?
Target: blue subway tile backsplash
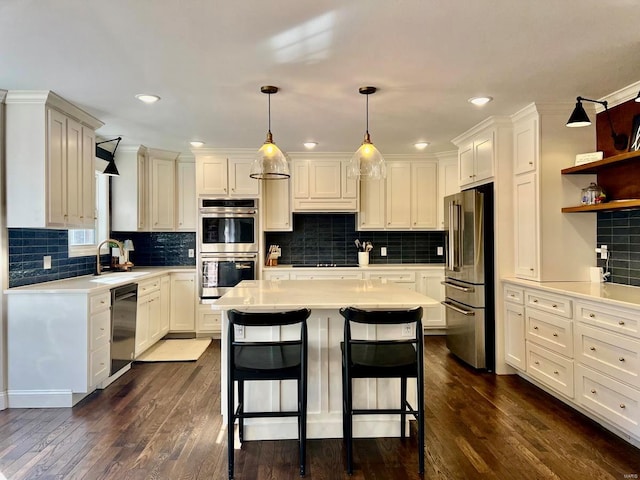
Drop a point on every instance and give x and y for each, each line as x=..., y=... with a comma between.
x=329, y=238
x=620, y=231
x=28, y=246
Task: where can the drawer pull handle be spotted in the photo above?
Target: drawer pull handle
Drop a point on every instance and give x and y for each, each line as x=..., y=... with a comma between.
x=593, y=349
x=555, y=372
x=593, y=390
x=535, y=328
x=537, y=362
x=621, y=322
x=555, y=334
x=592, y=315
x=622, y=405
x=535, y=300
x=519, y=314
x=554, y=305
x=621, y=359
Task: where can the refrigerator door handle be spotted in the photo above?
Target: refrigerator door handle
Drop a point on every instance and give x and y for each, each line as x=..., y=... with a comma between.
x=458, y=287
x=453, y=240
x=468, y=313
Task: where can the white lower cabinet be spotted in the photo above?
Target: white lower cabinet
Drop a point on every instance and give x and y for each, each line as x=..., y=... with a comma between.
x=209, y=320
x=183, y=302
x=429, y=283
x=588, y=351
x=148, y=315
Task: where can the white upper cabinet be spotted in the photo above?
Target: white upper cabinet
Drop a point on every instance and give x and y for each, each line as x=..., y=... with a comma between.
x=163, y=198
x=50, y=152
x=276, y=203
x=447, y=181
x=405, y=200
x=225, y=173
x=320, y=184
x=186, y=203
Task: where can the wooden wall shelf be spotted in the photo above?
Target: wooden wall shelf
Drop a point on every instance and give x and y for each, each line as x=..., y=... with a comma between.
x=619, y=176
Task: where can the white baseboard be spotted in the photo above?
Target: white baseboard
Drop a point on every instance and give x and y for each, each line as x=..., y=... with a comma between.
x=40, y=398
x=4, y=400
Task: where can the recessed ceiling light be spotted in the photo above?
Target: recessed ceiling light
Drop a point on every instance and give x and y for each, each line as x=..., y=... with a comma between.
x=147, y=98
x=310, y=145
x=421, y=145
x=479, y=101
x=196, y=144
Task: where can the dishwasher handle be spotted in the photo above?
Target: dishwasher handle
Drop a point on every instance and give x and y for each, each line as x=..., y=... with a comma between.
x=458, y=287
x=126, y=295
x=468, y=313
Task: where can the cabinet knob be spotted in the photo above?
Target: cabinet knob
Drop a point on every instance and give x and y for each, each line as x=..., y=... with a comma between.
x=593, y=390
x=233, y=189
x=537, y=362
x=592, y=315
x=535, y=328
x=470, y=176
x=621, y=359
x=531, y=269
x=621, y=322
x=519, y=314
x=622, y=405
x=555, y=334
x=555, y=372
x=535, y=300
x=593, y=349
x=554, y=306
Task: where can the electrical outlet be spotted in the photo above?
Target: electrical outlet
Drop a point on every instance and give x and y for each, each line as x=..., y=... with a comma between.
x=239, y=332
x=191, y=253
x=46, y=262
x=407, y=330
x=439, y=251
x=603, y=250
x=383, y=251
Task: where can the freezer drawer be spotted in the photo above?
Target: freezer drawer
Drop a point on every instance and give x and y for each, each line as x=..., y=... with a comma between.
x=463, y=292
x=466, y=333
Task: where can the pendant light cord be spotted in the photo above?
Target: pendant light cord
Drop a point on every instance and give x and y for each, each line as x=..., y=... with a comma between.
x=269, y=129
x=367, y=114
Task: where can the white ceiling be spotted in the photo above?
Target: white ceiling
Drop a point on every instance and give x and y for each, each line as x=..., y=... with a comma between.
x=207, y=60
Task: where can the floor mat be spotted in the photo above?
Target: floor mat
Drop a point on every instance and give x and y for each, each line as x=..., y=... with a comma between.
x=180, y=350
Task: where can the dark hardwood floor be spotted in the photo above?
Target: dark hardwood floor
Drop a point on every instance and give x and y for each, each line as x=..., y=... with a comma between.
x=162, y=421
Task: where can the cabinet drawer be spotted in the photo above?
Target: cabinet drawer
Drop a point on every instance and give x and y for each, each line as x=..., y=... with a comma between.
x=327, y=276
x=101, y=301
x=396, y=277
x=208, y=320
x=611, y=318
x=550, y=368
x=99, y=329
x=100, y=365
x=514, y=294
x=610, y=399
x=550, y=331
x=549, y=303
x=609, y=353
x=148, y=286
x=276, y=275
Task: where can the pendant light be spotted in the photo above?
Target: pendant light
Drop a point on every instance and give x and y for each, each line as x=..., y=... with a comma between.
x=270, y=163
x=579, y=118
x=367, y=163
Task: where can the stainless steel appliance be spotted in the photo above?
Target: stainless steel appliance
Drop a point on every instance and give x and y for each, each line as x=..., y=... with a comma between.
x=124, y=304
x=228, y=225
x=468, y=281
x=220, y=272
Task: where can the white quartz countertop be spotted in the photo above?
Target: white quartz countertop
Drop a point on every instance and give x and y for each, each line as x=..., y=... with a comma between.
x=615, y=294
x=320, y=294
x=371, y=266
x=97, y=283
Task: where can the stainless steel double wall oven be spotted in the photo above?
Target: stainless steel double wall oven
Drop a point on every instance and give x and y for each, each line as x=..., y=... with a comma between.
x=228, y=235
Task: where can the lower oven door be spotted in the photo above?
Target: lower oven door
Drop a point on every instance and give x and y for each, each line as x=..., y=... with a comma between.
x=219, y=273
x=466, y=332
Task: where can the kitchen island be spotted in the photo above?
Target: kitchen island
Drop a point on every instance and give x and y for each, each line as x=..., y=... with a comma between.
x=325, y=325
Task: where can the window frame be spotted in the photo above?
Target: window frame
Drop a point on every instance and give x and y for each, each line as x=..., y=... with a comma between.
x=101, y=227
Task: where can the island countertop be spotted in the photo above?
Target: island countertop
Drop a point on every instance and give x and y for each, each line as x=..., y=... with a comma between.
x=320, y=294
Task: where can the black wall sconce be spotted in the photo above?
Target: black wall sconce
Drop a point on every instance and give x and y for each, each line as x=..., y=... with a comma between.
x=579, y=118
x=104, y=154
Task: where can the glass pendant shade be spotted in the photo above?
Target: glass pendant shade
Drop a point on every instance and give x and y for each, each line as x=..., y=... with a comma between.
x=270, y=163
x=579, y=117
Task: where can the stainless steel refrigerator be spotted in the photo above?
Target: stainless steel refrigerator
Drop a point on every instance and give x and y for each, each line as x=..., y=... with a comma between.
x=469, y=291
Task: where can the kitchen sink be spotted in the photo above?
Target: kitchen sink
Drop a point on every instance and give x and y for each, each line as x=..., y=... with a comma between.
x=117, y=277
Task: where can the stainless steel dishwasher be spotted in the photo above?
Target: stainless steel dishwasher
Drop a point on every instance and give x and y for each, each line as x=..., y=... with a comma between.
x=124, y=304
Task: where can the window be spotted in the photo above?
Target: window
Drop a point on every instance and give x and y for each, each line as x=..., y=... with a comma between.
x=83, y=242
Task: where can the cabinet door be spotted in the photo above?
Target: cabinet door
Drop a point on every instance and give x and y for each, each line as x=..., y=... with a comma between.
x=431, y=286
x=447, y=185
x=398, y=186
x=240, y=183
x=183, y=301
x=162, y=194
x=74, y=174
x=466, y=170
x=325, y=179
x=143, y=191
x=349, y=185
x=526, y=226
x=186, y=204
x=424, y=204
x=165, y=305
x=211, y=176
x=514, y=336
x=57, y=168
x=483, y=153
x=300, y=179
x=155, y=318
x=372, y=205
x=142, y=324
x=525, y=145
x=277, y=206
x=88, y=215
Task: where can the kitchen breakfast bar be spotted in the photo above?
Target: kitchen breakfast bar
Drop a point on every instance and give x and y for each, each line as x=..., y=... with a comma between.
x=325, y=326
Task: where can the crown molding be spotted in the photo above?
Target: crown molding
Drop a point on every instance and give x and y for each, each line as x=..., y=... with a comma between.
x=620, y=96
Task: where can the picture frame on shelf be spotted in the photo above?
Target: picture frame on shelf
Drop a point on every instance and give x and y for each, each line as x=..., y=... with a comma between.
x=634, y=140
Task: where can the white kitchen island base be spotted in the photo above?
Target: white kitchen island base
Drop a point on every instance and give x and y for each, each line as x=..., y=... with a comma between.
x=325, y=326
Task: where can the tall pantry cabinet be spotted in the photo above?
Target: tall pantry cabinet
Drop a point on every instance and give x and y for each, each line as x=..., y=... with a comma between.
x=550, y=245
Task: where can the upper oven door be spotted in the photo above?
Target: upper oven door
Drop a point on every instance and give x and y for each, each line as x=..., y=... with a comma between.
x=228, y=232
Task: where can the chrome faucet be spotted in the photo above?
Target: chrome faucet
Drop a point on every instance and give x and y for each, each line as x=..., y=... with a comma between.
x=108, y=240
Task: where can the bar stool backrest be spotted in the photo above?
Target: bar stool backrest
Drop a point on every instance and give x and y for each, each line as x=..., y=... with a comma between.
x=269, y=319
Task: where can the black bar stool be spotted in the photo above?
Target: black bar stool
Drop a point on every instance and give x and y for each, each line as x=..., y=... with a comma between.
x=266, y=360
x=402, y=358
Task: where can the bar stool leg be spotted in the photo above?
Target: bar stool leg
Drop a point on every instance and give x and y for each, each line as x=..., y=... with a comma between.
x=240, y=410
x=230, y=423
x=349, y=425
x=302, y=423
x=403, y=406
